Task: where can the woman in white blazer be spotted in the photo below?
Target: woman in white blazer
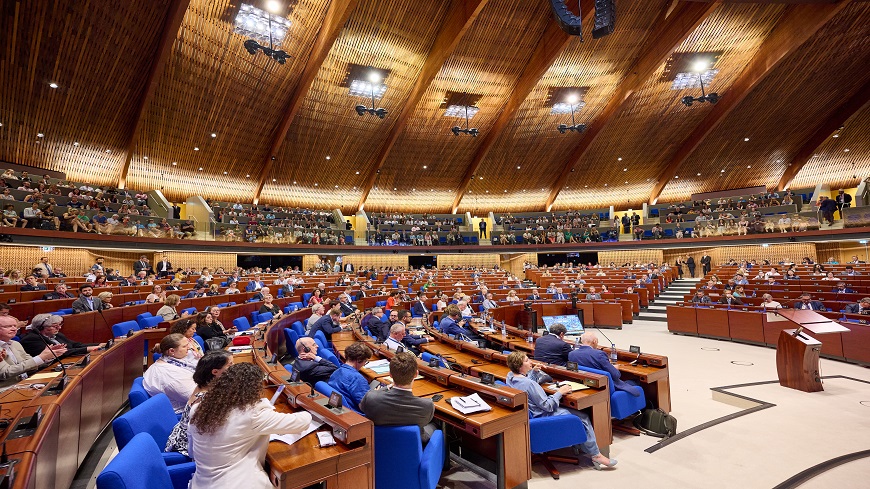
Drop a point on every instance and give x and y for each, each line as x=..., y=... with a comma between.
x=229, y=431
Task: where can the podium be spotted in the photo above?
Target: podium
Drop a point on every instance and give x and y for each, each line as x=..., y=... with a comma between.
x=797, y=353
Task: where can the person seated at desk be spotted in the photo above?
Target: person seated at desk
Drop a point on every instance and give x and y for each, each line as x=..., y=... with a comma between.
x=60, y=292
x=464, y=309
x=229, y=431
x=397, y=405
x=806, y=302
x=728, y=298
x=524, y=377
x=411, y=341
x=30, y=284
x=209, y=368
x=860, y=307
x=451, y=327
x=347, y=380
x=850, y=271
x=167, y=311
x=842, y=289
x=331, y=323
x=588, y=354
x=48, y=326
x=767, y=302
x=552, y=348
x=86, y=301
x=345, y=305
x=312, y=368
x=379, y=328
x=187, y=328
x=489, y=303
x=15, y=362
x=198, y=291
x=171, y=374
x=267, y=306
x=535, y=295
x=700, y=298
x=207, y=329
x=559, y=296
x=593, y=295
x=418, y=308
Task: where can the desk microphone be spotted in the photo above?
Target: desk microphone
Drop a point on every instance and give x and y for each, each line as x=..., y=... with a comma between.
x=63, y=380
x=313, y=392
x=613, y=355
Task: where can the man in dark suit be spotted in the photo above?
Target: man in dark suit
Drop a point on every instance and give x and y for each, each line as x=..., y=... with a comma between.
x=60, y=292
x=345, y=305
x=626, y=224
x=142, y=264
x=860, y=307
x=559, y=296
x=30, y=284
x=255, y=284
x=842, y=289
x=48, y=326
x=164, y=267
x=552, y=348
x=312, y=368
x=806, y=302
x=328, y=324
x=86, y=301
x=535, y=296
x=705, y=264
x=397, y=405
x=728, y=298
x=588, y=355
x=690, y=262
x=418, y=308
x=379, y=328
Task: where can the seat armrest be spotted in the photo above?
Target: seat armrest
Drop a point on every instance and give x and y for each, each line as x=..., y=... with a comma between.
x=181, y=474
x=432, y=462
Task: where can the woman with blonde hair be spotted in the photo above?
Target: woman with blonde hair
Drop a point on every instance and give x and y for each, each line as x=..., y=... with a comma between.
x=168, y=311
x=106, y=299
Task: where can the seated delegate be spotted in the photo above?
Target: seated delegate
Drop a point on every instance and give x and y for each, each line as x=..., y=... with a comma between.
x=48, y=326
x=588, y=355
x=347, y=380
x=171, y=374
x=311, y=367
x=229, y=431
x=552, y=348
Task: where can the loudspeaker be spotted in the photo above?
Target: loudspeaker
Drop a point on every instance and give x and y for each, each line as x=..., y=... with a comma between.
x=605, y=18
x=569, y=22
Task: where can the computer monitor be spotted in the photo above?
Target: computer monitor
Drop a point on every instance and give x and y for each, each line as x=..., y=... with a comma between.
x=572, y=323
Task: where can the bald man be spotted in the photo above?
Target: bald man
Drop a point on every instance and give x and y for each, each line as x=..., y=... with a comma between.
x=311, y=367
x=587, y=354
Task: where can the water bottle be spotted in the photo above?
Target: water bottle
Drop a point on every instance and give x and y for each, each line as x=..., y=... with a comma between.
x=503, y=329
x=613, y=356
x=295, y=307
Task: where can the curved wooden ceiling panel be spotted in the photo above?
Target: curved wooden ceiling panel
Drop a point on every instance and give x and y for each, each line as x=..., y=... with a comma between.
x=650, y=129
x=97, y=53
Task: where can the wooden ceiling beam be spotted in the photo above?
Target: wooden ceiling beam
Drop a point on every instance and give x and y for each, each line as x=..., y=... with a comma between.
x=461, y=15
x=835, y=121
x=797, y=25
x=333, y=23
x=549, y=47
x=669, y=32
x=174, y=17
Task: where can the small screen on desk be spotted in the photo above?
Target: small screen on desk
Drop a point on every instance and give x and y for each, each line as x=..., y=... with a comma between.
x=572, y=323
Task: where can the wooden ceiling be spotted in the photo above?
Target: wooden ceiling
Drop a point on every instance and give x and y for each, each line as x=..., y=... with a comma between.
x=142, y=84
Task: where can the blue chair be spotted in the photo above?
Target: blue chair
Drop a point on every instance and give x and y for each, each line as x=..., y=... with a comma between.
x=151, y=322
x=255, y=317
x=59, y=313
x=121, y=329
x=395, y=284
x=305, y=297
x=241, y=323
x=199, y=340
x=411, y=467
x=622, y=404
x=190, y=310
x=327, y=354
x=137, y=394
x=324, y=388
x=266, y=316
x=291, y=338
x=141, y=317
x=139, y=458
x=298, y=328
x=381, y=303
x=426, y=357
x=223, y=284
x=281, y=293
x=320, y=339
x=552, y=433
x=154, y=417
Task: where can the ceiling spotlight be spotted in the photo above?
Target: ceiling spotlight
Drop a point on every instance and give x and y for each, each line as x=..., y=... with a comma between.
x=518, y=167
x=625, y=169
x=174, y=163
x=425, y=167
x=274, y=180
x=247, y=176
x=327, y=157
x=619, y=159
x=75, y=143
x=145, y=158
x=225, y=173
x=846, y=150
x=375, y=79
x=273, y=6
x=315, y=184
x=53, y=85
x=699, y=174
x=700, y=65
x=574, y=127
x=262, y=27
x=294, y=182
x=200, y=169
x=468, y=130
x=196, y=148
x=108, y=151
x=357, y=173
x=40, y=135
x=745, y=140
x=213, y=135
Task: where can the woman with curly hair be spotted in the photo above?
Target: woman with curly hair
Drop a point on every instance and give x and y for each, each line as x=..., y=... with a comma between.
x=229, y=431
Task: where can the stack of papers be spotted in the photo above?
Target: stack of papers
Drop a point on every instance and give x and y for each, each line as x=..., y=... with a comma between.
x=575, y=386
x=240, y=349
x=379, y=366
x=470, y=404
x=294, y=437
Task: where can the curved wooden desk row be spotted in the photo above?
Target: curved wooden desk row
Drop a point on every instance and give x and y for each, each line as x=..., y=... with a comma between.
x=603, y=314
x=649, y=369
x=49, y=455
x=750, y=325
x=498, y=440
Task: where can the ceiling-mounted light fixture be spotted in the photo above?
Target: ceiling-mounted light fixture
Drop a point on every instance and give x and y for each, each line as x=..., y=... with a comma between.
x=572, y=100
x=472, y=131
x=701, y=66
x=261, y=26
x=374, y=81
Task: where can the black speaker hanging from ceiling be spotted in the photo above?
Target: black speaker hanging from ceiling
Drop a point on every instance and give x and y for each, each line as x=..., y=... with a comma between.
x=605, y=18
x=569, y=22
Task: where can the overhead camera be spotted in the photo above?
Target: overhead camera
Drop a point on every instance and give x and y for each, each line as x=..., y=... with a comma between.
x=278, y=55
x=472, y=131
x=688, y=100
x=363, y=110
x=563, y=128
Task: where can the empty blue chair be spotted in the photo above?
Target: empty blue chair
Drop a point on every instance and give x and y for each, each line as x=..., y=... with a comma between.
x=241, y=323
x=381, y=303
x=67, y=310
x=151, y=322
x=426, y=357
x=59, y=313
x=280, y=292
x=324, y=388
x=298, y=328
x=411, y=467
x=327, y=354
x=121, y=329
x=223, y=284
x=141, y=317
x=139, y=302
x=189, y=310
x=435, y=325
x=139, y=458
x=305, y=297
x=320, y=339
x=266, y=316
x=291, y=338
x=395, y=284
x=154, y=417
x=553, y=433
x=255, y=317
x=137, y=394
x=223, y=304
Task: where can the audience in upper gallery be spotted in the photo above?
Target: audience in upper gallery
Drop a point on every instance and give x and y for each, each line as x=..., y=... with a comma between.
x=229, y=431
x=526, y=377
x=171, y=374
x=347, y=380
x=209, y=368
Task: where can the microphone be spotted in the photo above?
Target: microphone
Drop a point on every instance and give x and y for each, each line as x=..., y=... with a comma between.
x=613, y=355
x=63, y=380
x=312, y=393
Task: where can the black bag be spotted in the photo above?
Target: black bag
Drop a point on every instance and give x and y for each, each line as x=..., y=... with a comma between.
x=47, y=225
x=655, y=422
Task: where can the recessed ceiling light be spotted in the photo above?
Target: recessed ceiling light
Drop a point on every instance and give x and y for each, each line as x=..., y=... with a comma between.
x=75, y=143
x=213, y=135
x=518, y=167
x=524, y=190
x=626, y=181
x=40, y=135
x=315, y=184
x=225, y=173
x=836, y=135
x=108, y=151
x=273, y=6
x=174, y=163
x=413, y=190
x=625, y=169
x=699, y=174
x=354, y=188
x=394, y=188
x=676, y=176
x=196, y=149
x=53, y=85
x=145, y=158
x=619, y=159
x=274, y=180
x=487, y=191
x=294, y=182
x=481, y=178
x=745, y=139
x=815, y=156
x=247, y=176
x=336, y=186
x=721, y=171
x=505, y=191
x=846, y=150
x=585, y=186
x=200, y=168
x=748, y=166
x=357, y=173
x=425, y=167
x=779, y=161
x=327, y=157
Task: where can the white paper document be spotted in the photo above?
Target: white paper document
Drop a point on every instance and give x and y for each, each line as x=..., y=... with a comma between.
x=294, y=437
x=470, y=404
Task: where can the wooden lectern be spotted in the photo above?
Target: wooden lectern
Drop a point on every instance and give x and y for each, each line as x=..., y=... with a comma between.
x=797, y=353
